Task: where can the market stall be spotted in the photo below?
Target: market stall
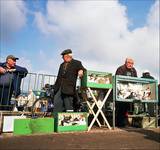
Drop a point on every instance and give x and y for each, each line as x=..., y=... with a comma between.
x=142, y=96
x=96, y=88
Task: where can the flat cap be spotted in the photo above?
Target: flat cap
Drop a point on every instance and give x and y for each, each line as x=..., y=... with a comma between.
x=67, y=51
x=12, y=57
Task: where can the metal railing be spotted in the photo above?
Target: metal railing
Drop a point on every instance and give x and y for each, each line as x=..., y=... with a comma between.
x=20, y=93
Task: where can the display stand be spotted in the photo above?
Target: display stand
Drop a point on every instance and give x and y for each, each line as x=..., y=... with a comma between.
x=99, y=111
x=91, y=81
x=140, y=93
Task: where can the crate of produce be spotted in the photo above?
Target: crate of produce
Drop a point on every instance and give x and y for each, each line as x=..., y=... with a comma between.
x=33, y=126
x=95, y=79
x=71, y=121
x=129, y=89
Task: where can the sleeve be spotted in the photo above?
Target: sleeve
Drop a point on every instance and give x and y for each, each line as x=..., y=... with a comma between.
x=2, y=64
x=57, y=82
x=80, y=66
x=21, y=71
x=119, y=71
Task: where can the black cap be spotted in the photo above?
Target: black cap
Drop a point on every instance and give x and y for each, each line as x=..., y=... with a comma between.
x=12, y=57
x=67, y=51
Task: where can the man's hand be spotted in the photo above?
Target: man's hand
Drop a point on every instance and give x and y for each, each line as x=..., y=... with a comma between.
x=2, y=70
x=80, y=73
x=11, y=70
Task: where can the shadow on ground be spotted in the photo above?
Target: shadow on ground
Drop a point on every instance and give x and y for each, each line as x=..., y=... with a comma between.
x=150, y=134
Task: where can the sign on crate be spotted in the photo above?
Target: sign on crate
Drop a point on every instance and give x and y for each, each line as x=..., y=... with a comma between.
x=97, y=79
x=8, y=122
x=69, y=119
x=73, y=121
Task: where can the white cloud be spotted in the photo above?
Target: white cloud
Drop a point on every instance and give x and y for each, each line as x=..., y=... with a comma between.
x=46, y=63
x=98, y=33
x=153, y=16
x=146, y=42
x=24, y=62
x=12, y=17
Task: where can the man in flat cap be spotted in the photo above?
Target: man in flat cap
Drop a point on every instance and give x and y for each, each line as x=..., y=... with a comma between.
x=146, y=74
x=10, y=81
x=65, y=85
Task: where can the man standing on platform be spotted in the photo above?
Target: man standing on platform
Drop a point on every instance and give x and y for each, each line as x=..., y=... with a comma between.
x=10, y=81
x=127, y=69
x=65, y=85
x=122, y=107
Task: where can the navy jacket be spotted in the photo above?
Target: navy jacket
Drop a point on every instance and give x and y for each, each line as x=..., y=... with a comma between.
x=18, y=74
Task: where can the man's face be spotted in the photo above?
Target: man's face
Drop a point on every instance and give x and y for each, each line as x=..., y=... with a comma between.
x=67, y=58
x=129, y=63
x=11, y=63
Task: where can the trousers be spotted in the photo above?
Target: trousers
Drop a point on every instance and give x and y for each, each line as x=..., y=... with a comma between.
x=63, y=102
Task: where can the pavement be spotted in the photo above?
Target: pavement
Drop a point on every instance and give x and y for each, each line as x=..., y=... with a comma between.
x=95, y=139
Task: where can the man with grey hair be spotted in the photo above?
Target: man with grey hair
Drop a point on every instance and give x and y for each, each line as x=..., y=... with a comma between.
x=127, y=69
x=122, y=108
x=65, y=85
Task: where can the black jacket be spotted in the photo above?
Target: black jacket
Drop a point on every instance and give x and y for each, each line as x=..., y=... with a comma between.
x=67, y=78
x=122, y=70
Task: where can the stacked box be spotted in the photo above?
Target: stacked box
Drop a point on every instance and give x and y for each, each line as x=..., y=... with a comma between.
x=65, y=122
x=144, y=122
x=32, y=126
x=8, y=122
x=95, y=79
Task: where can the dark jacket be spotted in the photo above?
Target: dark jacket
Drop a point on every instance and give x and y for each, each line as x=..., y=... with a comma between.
x=147, y=75
x=123, y=70
x=18, y=74
x=67, y=78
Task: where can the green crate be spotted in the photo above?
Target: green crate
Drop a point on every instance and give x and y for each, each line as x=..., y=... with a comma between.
x=32, y=126
x=95, y=79
x=65, y=122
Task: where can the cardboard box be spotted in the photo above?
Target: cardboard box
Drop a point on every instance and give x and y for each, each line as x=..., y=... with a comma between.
x=95, y=79
x=144, y=122
x=32, y=126
x=65, y=122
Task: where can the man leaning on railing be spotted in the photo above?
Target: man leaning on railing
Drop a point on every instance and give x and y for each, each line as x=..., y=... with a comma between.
x=10, y=81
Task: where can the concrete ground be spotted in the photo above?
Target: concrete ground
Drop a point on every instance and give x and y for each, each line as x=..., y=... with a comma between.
x=118, y=139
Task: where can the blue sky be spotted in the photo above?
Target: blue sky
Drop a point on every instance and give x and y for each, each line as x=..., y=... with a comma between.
x=137, y=11
x=100, y=33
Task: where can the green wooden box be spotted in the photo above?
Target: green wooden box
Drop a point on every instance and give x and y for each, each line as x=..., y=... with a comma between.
x=131, y=89
x=95, y=79
x=71, y=121
x=32, y=126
